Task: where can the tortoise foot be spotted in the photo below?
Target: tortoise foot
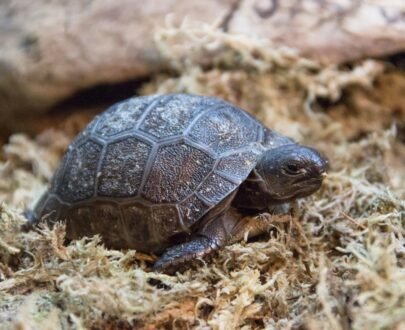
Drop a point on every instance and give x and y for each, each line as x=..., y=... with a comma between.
x=213, y=235
x=176, y=258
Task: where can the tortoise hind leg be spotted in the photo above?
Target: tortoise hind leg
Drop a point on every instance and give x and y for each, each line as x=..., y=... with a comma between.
x=212, y=236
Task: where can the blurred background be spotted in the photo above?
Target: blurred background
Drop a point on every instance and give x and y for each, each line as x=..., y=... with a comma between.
x=58, y=58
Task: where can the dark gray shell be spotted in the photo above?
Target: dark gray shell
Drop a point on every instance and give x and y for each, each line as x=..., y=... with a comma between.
x=151, y=167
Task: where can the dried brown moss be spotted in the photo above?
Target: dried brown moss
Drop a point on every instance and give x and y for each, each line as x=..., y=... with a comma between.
x=338, y=263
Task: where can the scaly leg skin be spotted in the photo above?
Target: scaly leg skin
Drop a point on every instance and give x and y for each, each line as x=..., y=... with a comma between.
x=212, y=236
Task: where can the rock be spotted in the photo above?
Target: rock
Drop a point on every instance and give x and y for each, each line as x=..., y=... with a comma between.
x=51, y=49
x=329, y=31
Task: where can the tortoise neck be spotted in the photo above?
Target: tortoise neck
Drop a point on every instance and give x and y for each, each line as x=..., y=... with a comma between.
x=253, y=194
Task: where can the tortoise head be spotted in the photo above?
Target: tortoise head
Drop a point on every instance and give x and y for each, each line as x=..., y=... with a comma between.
x=292, y=171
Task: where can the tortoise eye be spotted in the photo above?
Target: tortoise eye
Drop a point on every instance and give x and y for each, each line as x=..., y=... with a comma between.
x=292, y=169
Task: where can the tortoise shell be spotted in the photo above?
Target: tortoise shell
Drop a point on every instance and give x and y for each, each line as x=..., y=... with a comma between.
x=151, y=167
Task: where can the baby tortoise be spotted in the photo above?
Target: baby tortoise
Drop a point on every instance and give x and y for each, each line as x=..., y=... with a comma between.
x=172, y=174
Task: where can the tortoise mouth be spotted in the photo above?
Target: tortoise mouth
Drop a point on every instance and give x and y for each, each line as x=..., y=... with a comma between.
x=300, y=189
x=309, y=182
x=308, y=187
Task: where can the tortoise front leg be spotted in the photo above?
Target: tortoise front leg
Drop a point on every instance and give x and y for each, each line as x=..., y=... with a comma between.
x=212, y=236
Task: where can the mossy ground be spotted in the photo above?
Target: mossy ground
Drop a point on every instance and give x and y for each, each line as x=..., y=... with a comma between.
x=337, y=263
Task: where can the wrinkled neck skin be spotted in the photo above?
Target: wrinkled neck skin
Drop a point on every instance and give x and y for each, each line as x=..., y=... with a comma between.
x=253, y=197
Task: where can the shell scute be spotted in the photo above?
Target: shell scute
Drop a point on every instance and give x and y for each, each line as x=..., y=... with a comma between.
x=176, y=172
x=170, y=118
x=215, y=188
x=166, y=221
x=191, y=210
x=238, y=165
x=79, y=177
x=122, y=167
x=134, y=224
x=122, y=116
x=225, y=129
